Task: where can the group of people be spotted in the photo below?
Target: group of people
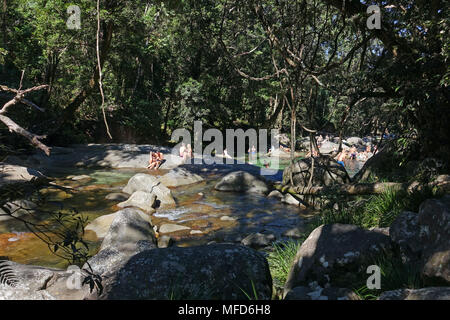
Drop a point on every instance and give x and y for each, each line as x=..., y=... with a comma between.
x=353, y=154
x=185, y=152
x=155, y=160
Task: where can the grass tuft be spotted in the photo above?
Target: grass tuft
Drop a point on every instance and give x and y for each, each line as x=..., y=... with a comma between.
x=281, y=259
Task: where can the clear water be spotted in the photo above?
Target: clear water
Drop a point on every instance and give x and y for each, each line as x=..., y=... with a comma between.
x=199, y=207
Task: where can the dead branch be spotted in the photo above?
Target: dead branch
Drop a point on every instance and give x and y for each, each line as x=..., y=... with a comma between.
x=19, y=97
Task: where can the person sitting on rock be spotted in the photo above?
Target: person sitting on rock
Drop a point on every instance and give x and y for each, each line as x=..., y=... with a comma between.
x=341, y=157
x=353, y=153
x=285, y=149
x=187, y=153
x=182, y=149
x=155, y=161
x=152, y=163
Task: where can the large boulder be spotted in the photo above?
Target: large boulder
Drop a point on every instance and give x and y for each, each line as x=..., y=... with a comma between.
x=328, y=147
x=128, y=226
x=10, y=173
x=431, y=293
x=141, y=199
x=241, y=181
x=150, y=184
x=16, y=209
x=404, y=231
x=140, y=182
x=434, y=221
x=336, y=255
x=128, y=235
x=179, y=177
x=217, y=271
x=316, y=292
x=326, y=172
x=258, y=240
x=354, y=141
x=102, y=224
x=424, y=238
x=23, y=282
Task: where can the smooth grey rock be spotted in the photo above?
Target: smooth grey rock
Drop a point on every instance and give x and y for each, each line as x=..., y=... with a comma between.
x=434, y=223
x=241, y=181
x=140, y=182
x=102, y=224
x=128, y=234
x=296, y=232
x=17, y=208
x=80, y=177
x=290, y=199
x=431, y=293
x=170, y=227
x=333, y=255
x=32, y=278
x=318, y=293
x=116, y=196
x=404, y=231
x=150, y=184
x=227, y=218
x=8, y=293
x=128, y=226
x=179, y=177
x=216, y=271
x=141, y=199
x=355, y=141
x=10, y=173
x=258, y=240
x=165, y=241
x=275, y=194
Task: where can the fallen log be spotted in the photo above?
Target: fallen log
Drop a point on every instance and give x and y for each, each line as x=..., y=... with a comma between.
x=349, y=189
x=440, y=184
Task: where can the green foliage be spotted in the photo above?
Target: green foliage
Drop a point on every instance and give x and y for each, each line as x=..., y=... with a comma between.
x=280, y=260
x=376, y=210
x=394, y=275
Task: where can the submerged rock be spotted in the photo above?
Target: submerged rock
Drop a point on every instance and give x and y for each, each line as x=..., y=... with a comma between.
x=258, y=240
x=179, y=177
x=169, y=228
x=116, y=196
x=241, y=181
